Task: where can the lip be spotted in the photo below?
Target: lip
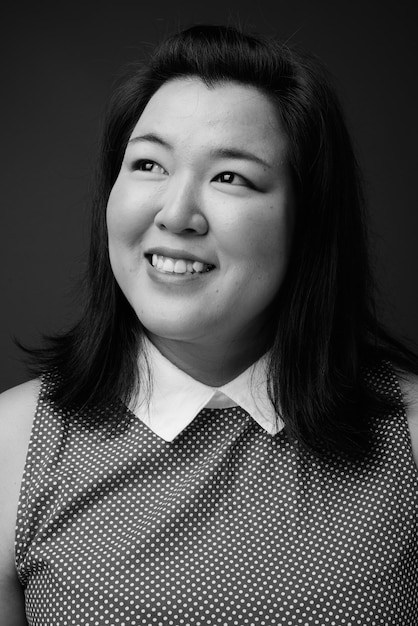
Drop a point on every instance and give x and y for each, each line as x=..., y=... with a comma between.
x=175, y=253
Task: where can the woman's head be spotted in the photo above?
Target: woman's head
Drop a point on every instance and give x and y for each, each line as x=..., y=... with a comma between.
x=200, y=219
x=322, y=167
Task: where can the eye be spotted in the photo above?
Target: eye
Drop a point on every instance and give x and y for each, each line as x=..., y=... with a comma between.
x=231, y=178
x=143, y=165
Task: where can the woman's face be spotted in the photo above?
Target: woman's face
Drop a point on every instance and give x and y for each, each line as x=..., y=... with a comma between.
x=200, y=216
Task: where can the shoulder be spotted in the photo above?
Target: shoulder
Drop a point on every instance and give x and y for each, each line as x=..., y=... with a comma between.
x=17, y=409
x=409, y=386
x=17, y=406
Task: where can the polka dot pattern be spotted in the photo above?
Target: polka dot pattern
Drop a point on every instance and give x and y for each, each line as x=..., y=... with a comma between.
x=226, y=525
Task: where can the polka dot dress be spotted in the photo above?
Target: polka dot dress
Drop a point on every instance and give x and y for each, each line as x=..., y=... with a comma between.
x=226, y=525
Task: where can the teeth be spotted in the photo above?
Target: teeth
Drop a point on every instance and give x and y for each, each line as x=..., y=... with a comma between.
x=198, y=267
x=178, y=266
x=168, y=265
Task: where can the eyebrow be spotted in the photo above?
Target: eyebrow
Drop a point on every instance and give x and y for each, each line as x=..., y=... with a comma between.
x=231, y=153
x=237, y=153
x=151, y=137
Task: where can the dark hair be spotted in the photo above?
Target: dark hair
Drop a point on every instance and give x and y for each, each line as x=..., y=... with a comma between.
x=326, y=328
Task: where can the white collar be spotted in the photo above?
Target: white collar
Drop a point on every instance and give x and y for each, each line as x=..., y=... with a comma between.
x=176, y=398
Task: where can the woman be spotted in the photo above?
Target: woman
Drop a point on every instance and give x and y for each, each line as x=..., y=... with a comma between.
x=227, y=435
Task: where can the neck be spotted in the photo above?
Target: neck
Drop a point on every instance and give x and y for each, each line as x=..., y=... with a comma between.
x=214, y=364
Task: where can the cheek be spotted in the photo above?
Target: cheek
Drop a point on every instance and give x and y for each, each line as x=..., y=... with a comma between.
x=263, y=241
x=127, y=217
x=116, y=213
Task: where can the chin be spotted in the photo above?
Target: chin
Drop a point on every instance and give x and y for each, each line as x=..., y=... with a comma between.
x=172, y=331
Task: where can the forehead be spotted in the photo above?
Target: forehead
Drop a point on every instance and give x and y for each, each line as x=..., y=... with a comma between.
x=187, y=110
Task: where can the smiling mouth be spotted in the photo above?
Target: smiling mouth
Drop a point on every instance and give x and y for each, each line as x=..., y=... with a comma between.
x=169, y=265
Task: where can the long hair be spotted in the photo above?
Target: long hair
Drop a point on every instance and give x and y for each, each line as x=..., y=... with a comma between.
x=326, y=328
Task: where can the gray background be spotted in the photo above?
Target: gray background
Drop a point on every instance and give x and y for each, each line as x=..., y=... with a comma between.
x=59, y=63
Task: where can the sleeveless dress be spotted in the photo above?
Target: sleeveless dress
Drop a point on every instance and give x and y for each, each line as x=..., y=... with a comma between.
x=225, y=525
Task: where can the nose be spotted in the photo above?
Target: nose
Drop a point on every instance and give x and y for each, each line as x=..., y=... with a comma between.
x=181, y=210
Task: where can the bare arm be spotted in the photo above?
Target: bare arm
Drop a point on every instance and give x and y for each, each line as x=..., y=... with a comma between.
x=17, y=408
x=410, y=390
